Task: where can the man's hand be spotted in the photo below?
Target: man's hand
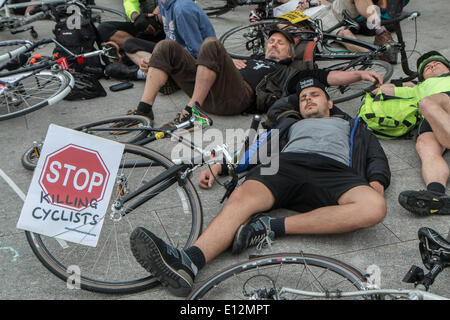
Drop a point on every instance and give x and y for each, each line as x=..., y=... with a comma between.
x=240, y=64
x=143, y=65
x=388, y=89
x=372, y=76
x=377, y=186
x=206, y=177
x=302, y=6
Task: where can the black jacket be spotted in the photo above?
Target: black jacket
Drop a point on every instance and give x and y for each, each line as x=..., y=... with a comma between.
x=367, y=156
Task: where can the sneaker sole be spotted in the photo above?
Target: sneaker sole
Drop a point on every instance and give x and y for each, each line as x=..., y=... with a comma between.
x=147, y=254
x=237, y=247
x=427, y=199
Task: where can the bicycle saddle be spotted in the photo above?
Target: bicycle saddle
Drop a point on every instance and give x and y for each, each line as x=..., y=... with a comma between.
x=433, y=245
x=348, y=21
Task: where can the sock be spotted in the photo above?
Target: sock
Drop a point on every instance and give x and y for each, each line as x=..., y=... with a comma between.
x=141, y=75
x=196, y=255
x=277, y=226
x=144, y=107
x=436, y=187
x=188, y=109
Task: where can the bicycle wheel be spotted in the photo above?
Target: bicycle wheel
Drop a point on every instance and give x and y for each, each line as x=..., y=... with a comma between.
x=31, y=155
x=247, y=41
x=101, y=14
x=175, y=214
x=263, y=277
x=348, y=92
x=215, y=7
x=29, y=91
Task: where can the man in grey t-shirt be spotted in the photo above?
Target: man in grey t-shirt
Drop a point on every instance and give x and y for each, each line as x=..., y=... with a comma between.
x=331, y=170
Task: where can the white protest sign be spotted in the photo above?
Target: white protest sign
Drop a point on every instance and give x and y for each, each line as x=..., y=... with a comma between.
x=71, y=186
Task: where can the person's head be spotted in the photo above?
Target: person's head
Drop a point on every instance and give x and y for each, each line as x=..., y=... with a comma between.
x=280, y=45
x=314, y=101
x=432, y=64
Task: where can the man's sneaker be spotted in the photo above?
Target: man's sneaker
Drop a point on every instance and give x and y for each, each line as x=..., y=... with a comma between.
x=256, y=231
x=424, y=202
x=169, y=87
x=172, y=267
x=131, y=123
x=121, y=71
x=179, y=118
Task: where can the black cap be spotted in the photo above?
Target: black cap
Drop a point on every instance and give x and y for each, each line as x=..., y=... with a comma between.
x=286, y=34
x=427, y=58
x=311, y=82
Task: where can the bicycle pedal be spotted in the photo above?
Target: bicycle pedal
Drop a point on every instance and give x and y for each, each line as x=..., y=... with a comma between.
x=414, y=274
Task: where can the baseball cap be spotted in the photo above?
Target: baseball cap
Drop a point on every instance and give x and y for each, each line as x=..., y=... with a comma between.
x=286, y=34
x=311, y=82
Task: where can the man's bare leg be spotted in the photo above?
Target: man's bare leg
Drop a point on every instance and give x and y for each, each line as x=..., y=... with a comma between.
x=204, y=80
x=250, y=198
x=156, y=78
x=434, y=166
x=350, y=47
x=359, y=207
x=436, y=109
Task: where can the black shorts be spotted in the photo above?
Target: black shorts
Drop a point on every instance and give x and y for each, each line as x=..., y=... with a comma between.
x=424, y=126
x=307, y=181
x=107, y=29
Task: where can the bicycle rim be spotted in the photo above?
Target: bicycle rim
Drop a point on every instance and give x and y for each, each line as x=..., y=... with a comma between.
x=101, y=14
x=249, y=279
x=348, y=92
x=247, y=41
x=175, y=215
x=32, y=92
x=31, y=155
x=214, y=7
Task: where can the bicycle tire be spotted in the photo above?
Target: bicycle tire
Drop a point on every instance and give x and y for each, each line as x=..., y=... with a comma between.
x=29, y=158
x=215, y=8
x=34, y=91
x=341, y=94
x=101, y=14
x=284, y=269
x=115, y=270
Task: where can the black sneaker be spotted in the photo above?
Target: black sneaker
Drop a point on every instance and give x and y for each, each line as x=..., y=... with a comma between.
x=169, y=87
x=424, y=202
x=121, y=71
x=172, y=267
x=256, y=231
x=179, y=118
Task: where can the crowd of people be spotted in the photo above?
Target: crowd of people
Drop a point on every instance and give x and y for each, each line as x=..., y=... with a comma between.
x=333, y=171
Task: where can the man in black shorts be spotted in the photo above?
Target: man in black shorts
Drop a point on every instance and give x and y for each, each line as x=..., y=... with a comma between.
x=331, y=169
x=433, y=136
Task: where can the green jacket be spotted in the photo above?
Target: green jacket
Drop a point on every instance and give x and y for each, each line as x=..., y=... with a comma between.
x=139, y=6
x=426, y=88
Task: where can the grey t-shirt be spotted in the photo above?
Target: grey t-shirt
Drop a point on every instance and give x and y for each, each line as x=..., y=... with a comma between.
x=328, y=137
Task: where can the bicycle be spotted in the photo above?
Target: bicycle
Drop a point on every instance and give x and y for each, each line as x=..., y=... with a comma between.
x=150, y=191
x=220, y=7
x=33, y=80
x=54, y=10
x=286, y=276
x=248, y=41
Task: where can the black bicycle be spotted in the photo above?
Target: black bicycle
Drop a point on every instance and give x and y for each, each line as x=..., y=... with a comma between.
x=151, y=191
x=291, y=276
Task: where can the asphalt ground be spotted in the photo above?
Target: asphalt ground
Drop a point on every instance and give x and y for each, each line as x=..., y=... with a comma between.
x=392, y=244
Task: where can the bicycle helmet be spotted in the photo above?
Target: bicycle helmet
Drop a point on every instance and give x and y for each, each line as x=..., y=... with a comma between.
x=86, y=87
x=427, y=58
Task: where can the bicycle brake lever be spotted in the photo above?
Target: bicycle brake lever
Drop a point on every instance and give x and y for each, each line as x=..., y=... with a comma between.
x=230, y=185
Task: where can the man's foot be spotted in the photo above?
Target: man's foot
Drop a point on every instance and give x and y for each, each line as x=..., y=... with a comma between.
x=390, y=55
x=172, y=267
x=121, y=71
x=424, y=202
x=256, y=231
x=169, y=87
x=131, y=123
x=179, y=118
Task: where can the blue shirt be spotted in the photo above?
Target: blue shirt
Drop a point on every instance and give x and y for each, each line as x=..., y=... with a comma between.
x=186, y=23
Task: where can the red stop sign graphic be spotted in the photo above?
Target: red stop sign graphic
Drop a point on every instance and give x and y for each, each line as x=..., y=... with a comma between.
x=74, y=177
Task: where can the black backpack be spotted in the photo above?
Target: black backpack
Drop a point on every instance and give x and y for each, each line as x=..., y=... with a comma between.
x=77, y=40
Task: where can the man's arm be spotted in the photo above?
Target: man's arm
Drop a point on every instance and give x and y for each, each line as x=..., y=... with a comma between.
x=131, y=8
x=337, y=78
